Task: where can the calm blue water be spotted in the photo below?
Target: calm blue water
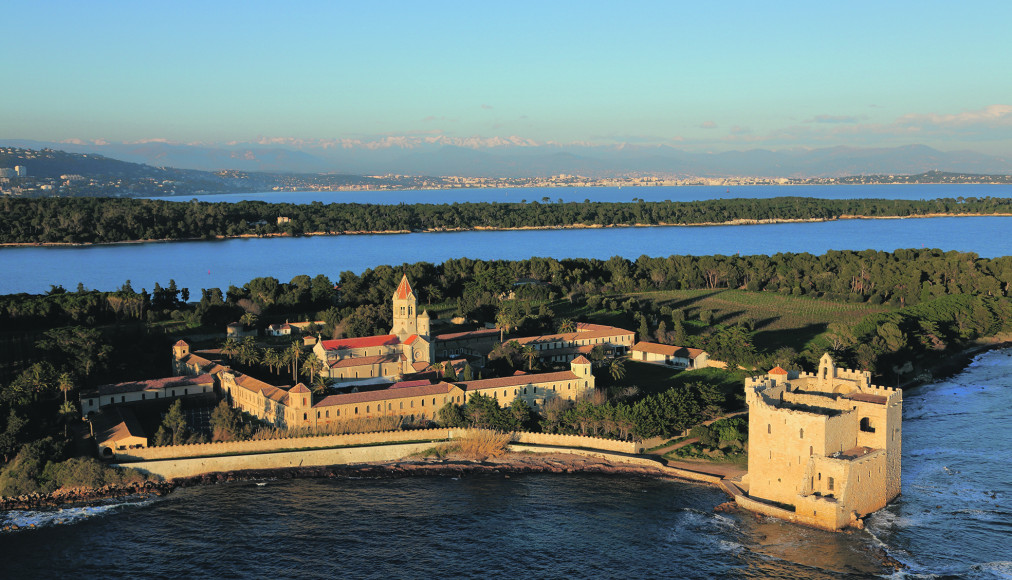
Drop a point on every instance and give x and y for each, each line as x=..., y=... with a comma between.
x=207, y=264
x=567, y=194
x=953, y=520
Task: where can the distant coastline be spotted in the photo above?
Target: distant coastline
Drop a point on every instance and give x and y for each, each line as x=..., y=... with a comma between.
x=734, y=222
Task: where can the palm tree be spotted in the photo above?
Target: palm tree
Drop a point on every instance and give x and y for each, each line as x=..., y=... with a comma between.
x=617, y=369
x=293, y=354
x=531, y=355
x=248, y=351
x=230, y=347
x=67, y=412
x=66, y=384
x=319, y=385
x=311, y=366
x=272, y=359
x=566, y=326
x=248, y=319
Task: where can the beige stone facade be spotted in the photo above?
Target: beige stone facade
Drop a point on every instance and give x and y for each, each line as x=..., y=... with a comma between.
x=676, y=356
x=536, y=389
x=827, y=444
x=564, y=347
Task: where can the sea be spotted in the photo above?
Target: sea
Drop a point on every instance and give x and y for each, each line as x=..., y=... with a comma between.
x=221, y=263
x=953, y=519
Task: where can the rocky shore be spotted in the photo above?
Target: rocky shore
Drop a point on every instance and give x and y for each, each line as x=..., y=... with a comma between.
x=504, y=466
x=77, y=495
x=450, y=466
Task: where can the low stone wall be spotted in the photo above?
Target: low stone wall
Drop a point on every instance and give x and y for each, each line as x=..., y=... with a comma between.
x=326, y=441
x=578, y=441
x=272, y=445
x=173, y=468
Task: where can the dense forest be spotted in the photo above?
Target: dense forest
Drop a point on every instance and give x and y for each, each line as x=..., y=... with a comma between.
x=102, y=220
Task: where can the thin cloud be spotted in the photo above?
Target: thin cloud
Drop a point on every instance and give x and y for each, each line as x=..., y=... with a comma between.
x=832, y=119
x=708, y=125
x=487, y=107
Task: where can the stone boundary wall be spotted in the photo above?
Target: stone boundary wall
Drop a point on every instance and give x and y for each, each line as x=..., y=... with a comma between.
x=189, y=467
x=271, y=445
x=380, y=438
x=577, y=441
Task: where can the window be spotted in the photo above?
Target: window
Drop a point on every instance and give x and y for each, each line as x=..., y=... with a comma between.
x=305, y=417
x=866, y=425
x=830, y=481
x=769, y=428
x=356, y=410
x=184, y=392
x=327, y=414
x=801, y=433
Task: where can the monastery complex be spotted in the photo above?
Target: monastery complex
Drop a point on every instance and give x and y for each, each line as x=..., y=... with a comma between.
x=823, y=449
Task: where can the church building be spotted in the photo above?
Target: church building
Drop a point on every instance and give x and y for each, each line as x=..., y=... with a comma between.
x=406, y=349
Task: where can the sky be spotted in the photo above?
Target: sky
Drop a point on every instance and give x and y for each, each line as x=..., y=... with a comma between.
x=702, y=76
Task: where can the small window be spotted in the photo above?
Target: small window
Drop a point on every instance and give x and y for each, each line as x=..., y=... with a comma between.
x=305, y=417
x=769, y=428
x=801, y=433
x=830, y=481
x=866, y=425
x=356, y=410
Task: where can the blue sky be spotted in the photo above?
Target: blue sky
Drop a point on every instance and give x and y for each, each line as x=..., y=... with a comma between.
x=700, y=76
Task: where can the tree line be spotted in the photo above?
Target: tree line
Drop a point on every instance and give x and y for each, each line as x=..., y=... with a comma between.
x=104, y=220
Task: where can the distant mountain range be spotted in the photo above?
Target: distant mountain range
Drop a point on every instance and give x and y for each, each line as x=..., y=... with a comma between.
x=514, y=157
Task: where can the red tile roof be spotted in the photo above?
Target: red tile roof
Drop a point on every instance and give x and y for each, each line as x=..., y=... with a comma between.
x=481, y=332
x=580, y=360
x=518, y=380
x=777, y=370
x=403, y=289
x=667, y=349
x=584, y=332
x=149, y=385
x=411, y=339
x=358, y=361
x=181, y=343
x=386, y=394
x=299, y=388
x=363, y=342
x=403, y=384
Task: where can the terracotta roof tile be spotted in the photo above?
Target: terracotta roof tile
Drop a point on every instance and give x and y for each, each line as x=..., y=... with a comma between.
x=517, y=380
x=777, y=370
x=358, y=361
x=403, y=289
x=149, y=385
x=363, y=342
x=580, y=360
x=667, y=350
x=479, y=333
x=385, y=395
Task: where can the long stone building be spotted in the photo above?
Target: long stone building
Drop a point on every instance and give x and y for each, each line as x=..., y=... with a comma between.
x=825, y=446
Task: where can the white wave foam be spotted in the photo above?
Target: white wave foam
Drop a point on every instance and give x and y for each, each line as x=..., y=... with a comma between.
x=18, y=520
